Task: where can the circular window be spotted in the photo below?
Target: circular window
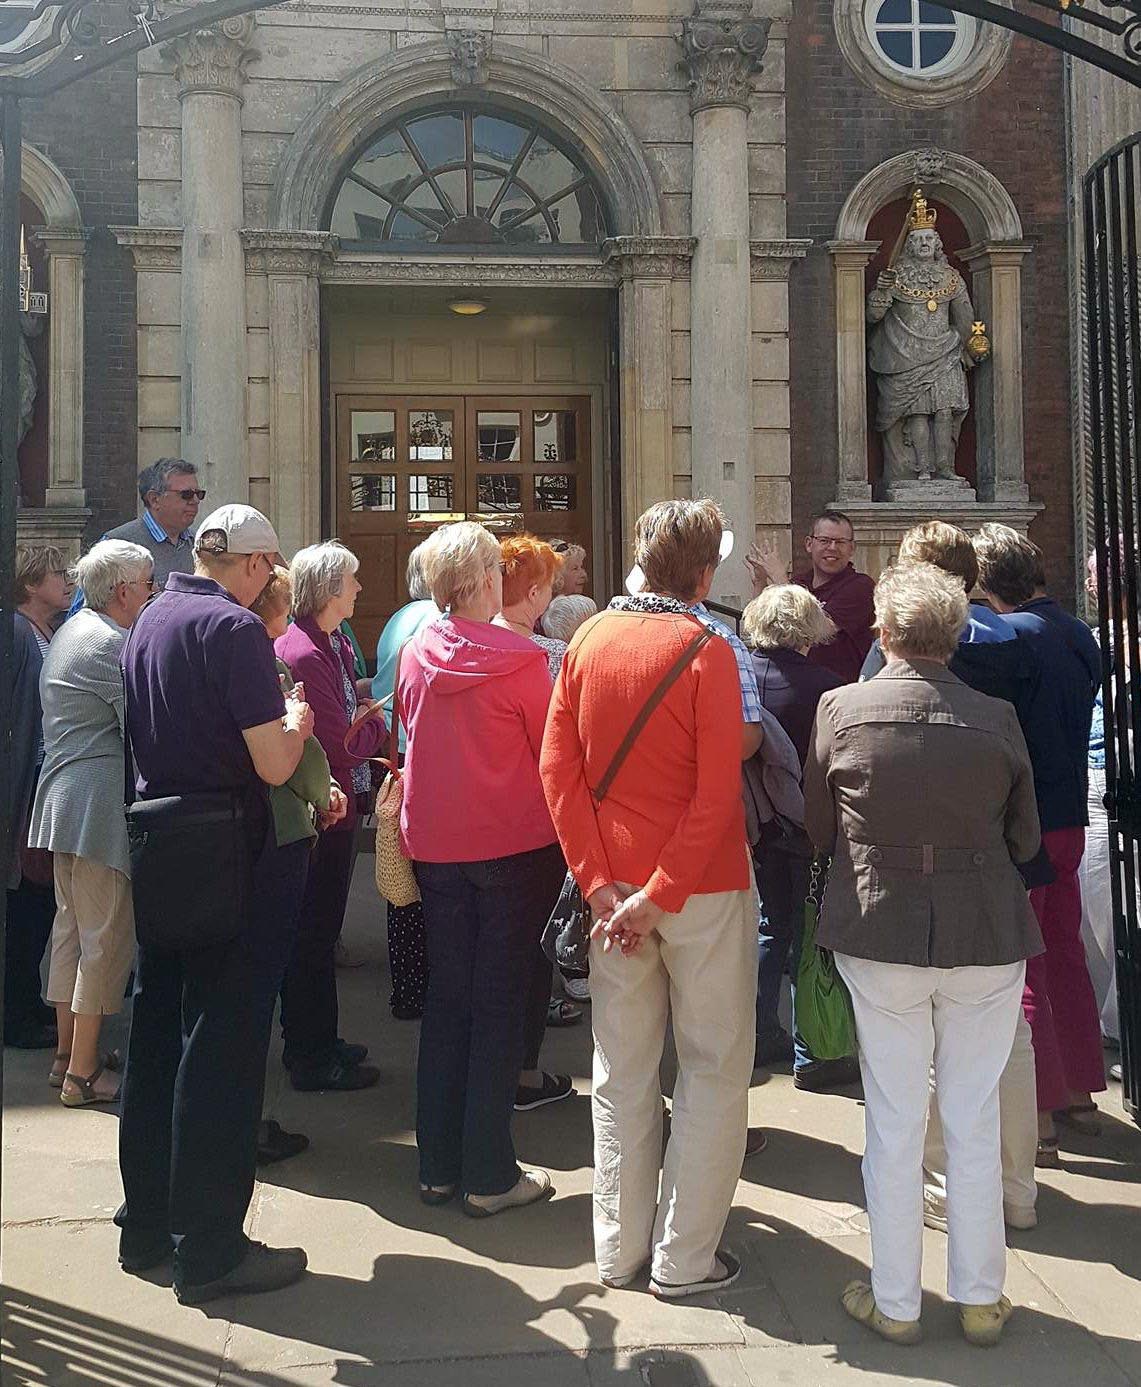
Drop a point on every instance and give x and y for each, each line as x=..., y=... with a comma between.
x=917, y=52
x=915, y=36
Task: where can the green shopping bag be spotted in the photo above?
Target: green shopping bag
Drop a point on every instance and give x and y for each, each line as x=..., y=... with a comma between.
x=823, y=1008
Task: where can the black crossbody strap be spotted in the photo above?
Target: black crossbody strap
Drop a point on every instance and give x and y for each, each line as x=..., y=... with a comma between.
x=668, y=680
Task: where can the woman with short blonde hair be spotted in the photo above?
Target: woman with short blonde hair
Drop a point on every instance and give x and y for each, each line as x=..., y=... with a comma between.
x=921, y=791
x=474, y=698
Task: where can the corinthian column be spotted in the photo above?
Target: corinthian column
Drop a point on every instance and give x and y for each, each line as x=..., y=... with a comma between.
x=723, y=47
x=210, y=65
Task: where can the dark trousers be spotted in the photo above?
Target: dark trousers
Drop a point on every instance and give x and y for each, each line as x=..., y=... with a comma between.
x=483, y=922
x=539, y=998
x=31, y=913
x=309, y=1016
x=783, y=871
x=407, y=957
x=192, y=1092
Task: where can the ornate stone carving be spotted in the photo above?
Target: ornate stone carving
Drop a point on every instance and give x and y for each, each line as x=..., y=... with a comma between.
x=774, y=259
x=928, y=165
x=470, y=49
x=288, y=252
x=650, y=257
x=213, y=59
x=153, y=247
x=468, y=274
x=723, y=47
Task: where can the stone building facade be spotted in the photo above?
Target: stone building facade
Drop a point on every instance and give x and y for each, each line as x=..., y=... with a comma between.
x=389, y=263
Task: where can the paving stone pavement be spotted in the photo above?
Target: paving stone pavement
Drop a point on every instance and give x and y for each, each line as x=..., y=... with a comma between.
x=403, y=1296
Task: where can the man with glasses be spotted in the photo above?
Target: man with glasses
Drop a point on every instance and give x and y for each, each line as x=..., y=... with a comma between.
x=847, y=596
x=170, y=495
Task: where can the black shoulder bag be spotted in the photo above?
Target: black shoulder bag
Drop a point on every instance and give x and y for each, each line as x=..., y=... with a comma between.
x=191, y=865
x=566, y=938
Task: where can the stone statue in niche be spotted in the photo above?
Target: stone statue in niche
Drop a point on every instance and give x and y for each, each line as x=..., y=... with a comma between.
x=925, y=339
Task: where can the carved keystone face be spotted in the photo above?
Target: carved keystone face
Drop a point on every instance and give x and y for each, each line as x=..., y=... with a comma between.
x=924, y=245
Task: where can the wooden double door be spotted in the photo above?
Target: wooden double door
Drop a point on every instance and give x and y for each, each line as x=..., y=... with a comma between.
x=406, y=464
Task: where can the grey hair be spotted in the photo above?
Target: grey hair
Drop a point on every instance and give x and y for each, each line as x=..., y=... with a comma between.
x=566, y=614
x=921, y=611
x=414, y=578
x=156, y=476
x=786, y=617
x=318, y=575
x=107, y=564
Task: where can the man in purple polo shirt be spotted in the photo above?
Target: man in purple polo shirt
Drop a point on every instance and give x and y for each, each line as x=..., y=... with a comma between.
x=845, y=594
x=205, y=713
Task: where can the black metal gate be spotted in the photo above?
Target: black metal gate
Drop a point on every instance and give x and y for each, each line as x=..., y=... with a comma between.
x=1113, y=288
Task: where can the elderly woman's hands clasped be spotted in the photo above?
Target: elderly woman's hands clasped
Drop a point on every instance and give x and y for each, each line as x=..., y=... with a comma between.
x=622, y=920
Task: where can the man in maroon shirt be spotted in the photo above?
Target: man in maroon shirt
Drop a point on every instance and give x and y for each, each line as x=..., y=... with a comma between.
x=843, y=593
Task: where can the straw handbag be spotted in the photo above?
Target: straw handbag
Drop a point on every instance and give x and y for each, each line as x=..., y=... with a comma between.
x=395, y=879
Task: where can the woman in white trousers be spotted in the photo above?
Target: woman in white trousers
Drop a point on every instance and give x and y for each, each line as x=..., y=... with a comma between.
x=921, y=790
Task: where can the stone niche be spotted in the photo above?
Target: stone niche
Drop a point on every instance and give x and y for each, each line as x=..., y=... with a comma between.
x=984, y=242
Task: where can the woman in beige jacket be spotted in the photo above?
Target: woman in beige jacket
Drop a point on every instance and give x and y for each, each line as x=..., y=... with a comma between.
x=921, y=790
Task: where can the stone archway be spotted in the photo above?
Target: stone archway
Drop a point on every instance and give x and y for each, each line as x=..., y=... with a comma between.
x=515, y=76
x=995, y=257
x=63, y=517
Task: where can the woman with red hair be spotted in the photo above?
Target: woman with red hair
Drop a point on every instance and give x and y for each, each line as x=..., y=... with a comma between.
x=530, y=570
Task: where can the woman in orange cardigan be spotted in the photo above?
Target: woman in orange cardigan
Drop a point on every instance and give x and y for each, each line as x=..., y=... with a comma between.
x=664, y=864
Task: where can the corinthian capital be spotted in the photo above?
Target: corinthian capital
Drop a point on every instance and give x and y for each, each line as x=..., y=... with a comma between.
x=723, y=47
x=214, y=59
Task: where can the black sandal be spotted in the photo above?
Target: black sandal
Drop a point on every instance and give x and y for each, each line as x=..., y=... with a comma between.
x=563, y=1013
x=86, y=1096
x=1047, y=1157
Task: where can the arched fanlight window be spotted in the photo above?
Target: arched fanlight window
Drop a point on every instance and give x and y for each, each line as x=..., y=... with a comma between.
x=468, y=176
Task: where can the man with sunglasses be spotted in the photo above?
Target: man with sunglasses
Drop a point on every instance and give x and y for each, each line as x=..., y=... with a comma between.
x=171, y=496
x=847, y=596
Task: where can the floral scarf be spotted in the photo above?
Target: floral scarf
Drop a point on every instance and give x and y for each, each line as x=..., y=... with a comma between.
x=652, y=602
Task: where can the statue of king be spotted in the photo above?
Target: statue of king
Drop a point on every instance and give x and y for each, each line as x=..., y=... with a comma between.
x=925, y=340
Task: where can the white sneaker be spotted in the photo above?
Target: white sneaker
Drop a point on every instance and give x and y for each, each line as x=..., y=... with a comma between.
x=577, y=989
x=530, y=1187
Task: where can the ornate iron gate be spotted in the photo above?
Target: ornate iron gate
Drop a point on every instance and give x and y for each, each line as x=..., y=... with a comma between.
x=1113, y=288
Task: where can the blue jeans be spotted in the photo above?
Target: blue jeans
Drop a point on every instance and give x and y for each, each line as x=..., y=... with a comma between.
x=483, y=922
x=782, y=881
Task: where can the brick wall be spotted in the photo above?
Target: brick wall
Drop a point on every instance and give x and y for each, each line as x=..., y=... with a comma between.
x=838, y=129
x=89, y=131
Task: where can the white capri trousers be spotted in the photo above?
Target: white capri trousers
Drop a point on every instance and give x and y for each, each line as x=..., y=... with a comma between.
x=1018, y=1133
x=93, y=938
x=962, y=1020
x=1097, y=908
x=701, y=966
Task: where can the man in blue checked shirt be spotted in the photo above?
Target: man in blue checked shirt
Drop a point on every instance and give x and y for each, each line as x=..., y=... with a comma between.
x=171, y=496
x=750, y=696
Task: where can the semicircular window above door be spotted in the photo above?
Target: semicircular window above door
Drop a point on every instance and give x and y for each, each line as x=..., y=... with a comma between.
x=472, y=177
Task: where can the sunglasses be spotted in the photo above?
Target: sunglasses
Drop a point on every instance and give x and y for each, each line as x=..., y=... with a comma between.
x=191, y=495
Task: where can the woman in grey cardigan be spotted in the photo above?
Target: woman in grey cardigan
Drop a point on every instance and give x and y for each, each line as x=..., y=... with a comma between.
x=78, y=815
x=921, y=790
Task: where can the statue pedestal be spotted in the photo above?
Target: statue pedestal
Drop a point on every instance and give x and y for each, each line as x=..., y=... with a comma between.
x=880, y=525
x=933, y=494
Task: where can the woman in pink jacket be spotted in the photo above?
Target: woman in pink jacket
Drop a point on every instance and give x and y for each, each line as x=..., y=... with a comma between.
x=475, y=824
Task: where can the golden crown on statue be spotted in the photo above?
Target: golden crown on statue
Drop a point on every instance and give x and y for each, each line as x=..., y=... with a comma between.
x=921, y=217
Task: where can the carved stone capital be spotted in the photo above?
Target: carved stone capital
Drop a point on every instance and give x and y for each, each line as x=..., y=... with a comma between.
x=62, y=240
x=774, y=259
x=722, y=46
x=470, y=49
x=213, y=59
x=153, y=247
x=288, y=252
x=650, y=257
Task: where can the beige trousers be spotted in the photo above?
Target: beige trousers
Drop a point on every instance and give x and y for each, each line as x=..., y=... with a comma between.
x=1018, y=1133
x=701, y=966
x=93, y=938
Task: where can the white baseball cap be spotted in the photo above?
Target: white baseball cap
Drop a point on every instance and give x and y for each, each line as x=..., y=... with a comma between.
x=247, y=531
x=636, y=579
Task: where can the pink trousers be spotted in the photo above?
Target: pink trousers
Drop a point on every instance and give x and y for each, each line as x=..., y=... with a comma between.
x=1059, y=999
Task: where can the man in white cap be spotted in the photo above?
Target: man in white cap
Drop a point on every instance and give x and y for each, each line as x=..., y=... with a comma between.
x=206, y=721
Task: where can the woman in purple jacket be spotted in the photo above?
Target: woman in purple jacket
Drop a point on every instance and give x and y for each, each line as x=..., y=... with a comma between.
x=324, y=594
